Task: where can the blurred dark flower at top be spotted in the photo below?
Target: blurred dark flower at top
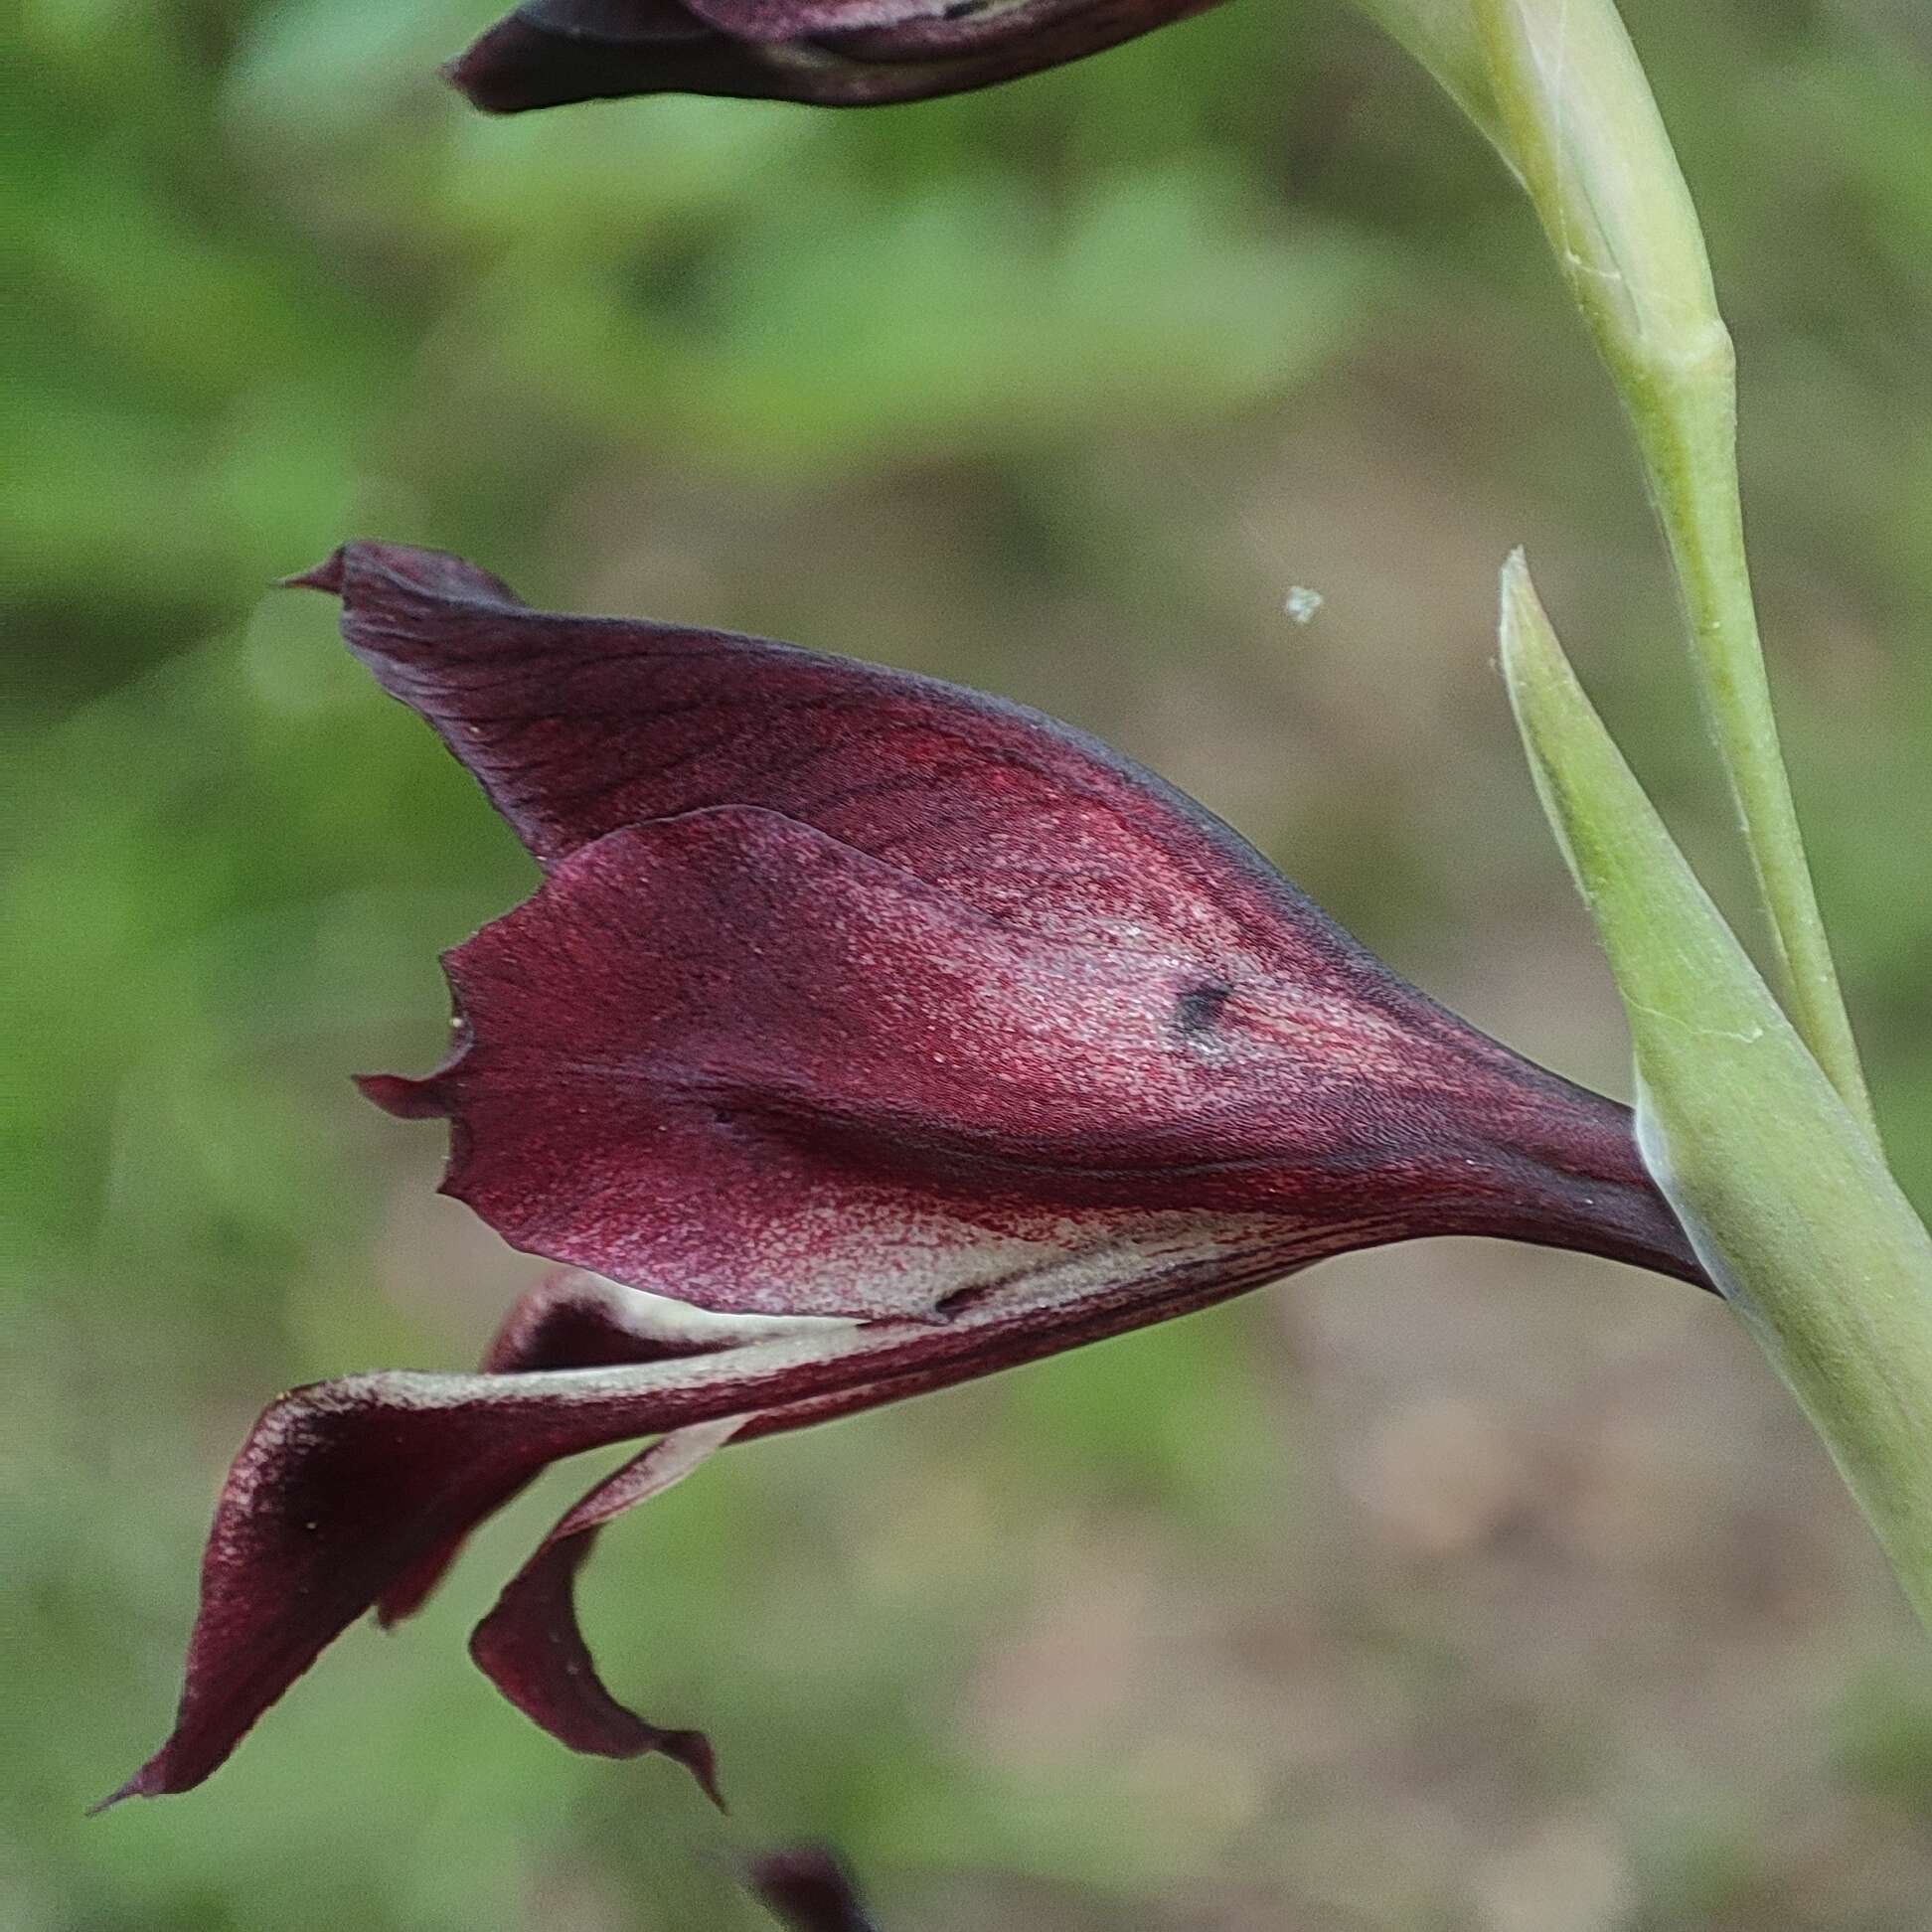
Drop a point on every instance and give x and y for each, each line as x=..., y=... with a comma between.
x=902, y=1032
x=833, y=53
x=809, y=1890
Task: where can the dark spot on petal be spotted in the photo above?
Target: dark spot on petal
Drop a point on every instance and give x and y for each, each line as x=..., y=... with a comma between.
x=963, y=9
x=1198, y=1010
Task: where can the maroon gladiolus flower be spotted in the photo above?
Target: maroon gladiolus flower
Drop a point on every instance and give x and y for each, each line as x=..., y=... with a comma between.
x=833, y=53
x=901, y=1033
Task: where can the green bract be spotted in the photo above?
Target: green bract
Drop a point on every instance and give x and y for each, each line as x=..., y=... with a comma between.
x=1781, y=1190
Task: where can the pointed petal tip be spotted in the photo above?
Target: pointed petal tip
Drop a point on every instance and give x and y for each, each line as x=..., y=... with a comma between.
x=406, y=1100
x=506, y=70
x=461, y=72
x=379, y=571
x=137, y=1786
x=396, y=1608
x=326, y=575
x=160, y=1777
x=533, y=1653
x=693, y=1749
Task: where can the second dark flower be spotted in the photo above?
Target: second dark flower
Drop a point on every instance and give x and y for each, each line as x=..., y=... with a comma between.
x=833, y=53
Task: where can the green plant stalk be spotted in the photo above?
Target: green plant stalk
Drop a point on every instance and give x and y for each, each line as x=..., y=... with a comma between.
x=1686, y=426
x=1782, y=1190
x=1592, y=151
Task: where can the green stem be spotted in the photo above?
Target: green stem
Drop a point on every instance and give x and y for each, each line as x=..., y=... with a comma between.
x=1684, y=419
x=1592, y=148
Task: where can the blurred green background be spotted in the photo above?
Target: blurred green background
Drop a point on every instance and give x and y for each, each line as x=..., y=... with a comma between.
x=1450, y=1588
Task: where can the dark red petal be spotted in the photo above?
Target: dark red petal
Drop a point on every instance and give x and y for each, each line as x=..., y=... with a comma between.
x=345, y=1489
x=829, y=53
x=729, y=1059
x=530, y=1644
x=988, y=42
x=938, y=30
x=611, y=23
x=531, y=1649
x=807, y=1889
x=641, y=23
x=574, y=1320
x=578, y=726
x=518, y=66
x=1286, y=1047
x=342, y=1489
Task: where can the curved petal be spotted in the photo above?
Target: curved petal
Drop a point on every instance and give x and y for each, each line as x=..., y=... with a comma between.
x=345, y=1488
x=532, y=1648
x=577, y=1320
x=575, y=726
